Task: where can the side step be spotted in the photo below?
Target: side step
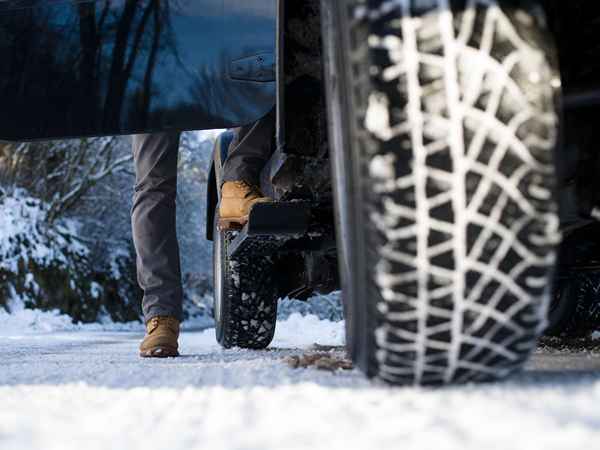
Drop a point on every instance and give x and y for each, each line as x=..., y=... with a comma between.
x=272, y=227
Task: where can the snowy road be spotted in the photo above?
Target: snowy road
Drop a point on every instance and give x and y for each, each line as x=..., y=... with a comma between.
x=89, y=390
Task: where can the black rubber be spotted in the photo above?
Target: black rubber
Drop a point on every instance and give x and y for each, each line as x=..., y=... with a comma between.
x=447, y=224
x=247, y=298
x=575, y=308
x=562, y=307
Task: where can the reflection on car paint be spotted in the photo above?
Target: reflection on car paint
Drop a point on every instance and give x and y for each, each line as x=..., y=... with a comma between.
x=122, y=66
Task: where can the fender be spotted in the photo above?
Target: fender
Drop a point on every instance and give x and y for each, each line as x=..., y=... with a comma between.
x=220, y=153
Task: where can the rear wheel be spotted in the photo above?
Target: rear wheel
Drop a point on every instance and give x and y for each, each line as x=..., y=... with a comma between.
x=443, y=127
x=245, y=296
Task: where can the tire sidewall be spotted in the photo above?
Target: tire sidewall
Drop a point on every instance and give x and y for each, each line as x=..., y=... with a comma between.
x=346, y=184
x=221, y=282
x=562, y=307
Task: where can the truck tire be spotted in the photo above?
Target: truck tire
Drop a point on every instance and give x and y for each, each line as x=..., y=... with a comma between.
x=443, y=126
x=245, y=296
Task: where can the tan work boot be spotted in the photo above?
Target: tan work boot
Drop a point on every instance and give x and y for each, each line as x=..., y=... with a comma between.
x=161, y=338
x=237, y=199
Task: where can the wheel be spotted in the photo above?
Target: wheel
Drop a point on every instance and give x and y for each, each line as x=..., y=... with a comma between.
x=443, y=125
x=245, y=296
x=575, y=307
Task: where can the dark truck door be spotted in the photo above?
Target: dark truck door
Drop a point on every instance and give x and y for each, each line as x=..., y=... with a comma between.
x=72, y=68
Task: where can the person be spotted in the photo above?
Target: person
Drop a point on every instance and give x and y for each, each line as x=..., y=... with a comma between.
x=153, y=219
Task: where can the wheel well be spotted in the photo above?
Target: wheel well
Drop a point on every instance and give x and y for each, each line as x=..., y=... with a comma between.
x=220, y=152
x=212, y=199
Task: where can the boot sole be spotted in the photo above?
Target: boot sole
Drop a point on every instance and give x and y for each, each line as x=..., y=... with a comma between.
x=233, y=223
x=159, y=352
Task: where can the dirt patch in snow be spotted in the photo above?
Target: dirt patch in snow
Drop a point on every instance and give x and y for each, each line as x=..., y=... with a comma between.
x=322, y=358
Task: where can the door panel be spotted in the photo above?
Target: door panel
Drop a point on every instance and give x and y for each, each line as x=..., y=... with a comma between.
x=88, y=68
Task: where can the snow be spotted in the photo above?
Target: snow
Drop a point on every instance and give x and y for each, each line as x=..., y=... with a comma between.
x=22, y=321
x=24, y=235
x=293, y=417
x=303, y=331
x=85, y=387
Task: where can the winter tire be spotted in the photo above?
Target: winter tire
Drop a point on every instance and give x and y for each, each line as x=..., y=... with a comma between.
x=443, y=126
x=245, y=296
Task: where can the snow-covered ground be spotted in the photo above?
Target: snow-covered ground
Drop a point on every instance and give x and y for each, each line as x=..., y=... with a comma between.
x=68, y=387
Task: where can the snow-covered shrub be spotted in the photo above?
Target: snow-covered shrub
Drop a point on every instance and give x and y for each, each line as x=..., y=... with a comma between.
x=44, y=264
x=197, y=295
x=325, y=307
x=63, y=173
x=92, y=180
x=194, y=164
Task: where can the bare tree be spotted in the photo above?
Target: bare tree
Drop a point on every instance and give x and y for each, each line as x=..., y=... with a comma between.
x=61, y=172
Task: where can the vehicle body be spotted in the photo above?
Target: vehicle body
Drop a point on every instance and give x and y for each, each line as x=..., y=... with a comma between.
x=120, y=67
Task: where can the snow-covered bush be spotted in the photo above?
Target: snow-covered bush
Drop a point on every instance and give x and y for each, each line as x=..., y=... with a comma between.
x=61, y=196
x=44, y=264
x=196, y=252
x=325, y=307
x=65, y=231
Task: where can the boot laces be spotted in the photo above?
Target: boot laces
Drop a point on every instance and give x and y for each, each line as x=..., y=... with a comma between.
x=156, y=321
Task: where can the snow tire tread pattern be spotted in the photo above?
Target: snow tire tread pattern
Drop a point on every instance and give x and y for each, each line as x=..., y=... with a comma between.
x=249, y=313
x=460, y=120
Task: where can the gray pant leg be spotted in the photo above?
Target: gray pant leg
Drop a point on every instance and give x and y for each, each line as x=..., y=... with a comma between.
x=153, y=222
x=250, y=150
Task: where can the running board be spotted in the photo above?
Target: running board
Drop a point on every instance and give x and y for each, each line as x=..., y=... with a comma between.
x=270, y=226
x=282, y=226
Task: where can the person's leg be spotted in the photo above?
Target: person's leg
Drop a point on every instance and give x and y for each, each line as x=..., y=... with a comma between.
x=249, y=151
x=153, y=222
